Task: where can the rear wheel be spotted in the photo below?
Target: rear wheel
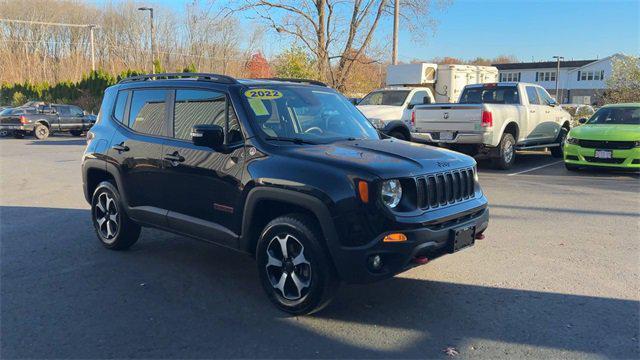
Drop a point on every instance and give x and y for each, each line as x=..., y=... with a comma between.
x=114, y=228
x=41, y=132
x=558, y=151
x=295, y=270
x=506, y=152
x=398, y=135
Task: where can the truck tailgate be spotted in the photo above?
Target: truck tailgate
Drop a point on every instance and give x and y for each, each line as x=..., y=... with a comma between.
x=448, y=117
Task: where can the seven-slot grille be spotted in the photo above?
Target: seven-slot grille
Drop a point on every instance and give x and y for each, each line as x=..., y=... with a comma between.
x=444, y=188
x=598, y=144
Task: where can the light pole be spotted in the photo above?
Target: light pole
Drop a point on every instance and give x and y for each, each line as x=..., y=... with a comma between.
x=93, y=55
x=153, y=36
x=558, y=77
x=396, y=20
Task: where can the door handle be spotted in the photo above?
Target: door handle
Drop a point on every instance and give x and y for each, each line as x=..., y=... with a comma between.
x=532, y=111
x=174, y=158
x=120, y=147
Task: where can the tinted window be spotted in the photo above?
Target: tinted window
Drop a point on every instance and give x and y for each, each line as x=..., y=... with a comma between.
x=63, y=110
x=627, y=115
x=386, y=97
x=147, y=114
x=195, y=107
x=532, y=94
x=490, y=95
x=76, y=111
x=121, y=102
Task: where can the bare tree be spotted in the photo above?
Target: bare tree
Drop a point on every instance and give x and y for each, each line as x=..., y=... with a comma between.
x=337, y=33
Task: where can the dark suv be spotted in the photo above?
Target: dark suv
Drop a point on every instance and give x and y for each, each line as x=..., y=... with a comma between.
x=288, y=171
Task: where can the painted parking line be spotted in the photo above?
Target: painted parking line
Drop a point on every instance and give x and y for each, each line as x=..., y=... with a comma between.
x=535, y=168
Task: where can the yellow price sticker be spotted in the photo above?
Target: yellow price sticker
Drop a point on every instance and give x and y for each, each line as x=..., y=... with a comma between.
x=263, y=94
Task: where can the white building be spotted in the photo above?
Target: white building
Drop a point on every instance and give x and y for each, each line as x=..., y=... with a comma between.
x=581, y=81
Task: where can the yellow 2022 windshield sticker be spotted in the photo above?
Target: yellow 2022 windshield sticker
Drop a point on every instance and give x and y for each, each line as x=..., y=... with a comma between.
x=263, y=94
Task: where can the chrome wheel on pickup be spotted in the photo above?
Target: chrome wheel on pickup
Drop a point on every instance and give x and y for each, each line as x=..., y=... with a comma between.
x=506, y=152
x=294, y=268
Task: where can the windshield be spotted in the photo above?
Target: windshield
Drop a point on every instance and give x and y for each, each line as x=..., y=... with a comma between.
x=385, y=97
x=628, y=115
x=306, y=114
x=490, y=95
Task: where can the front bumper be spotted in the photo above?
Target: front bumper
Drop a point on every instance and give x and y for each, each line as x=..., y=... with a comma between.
x=431, y=241
x=577, y=155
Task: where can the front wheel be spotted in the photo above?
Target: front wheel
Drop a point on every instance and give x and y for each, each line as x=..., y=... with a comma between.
x=558, y=151
x=506, y=152
x=294, y=268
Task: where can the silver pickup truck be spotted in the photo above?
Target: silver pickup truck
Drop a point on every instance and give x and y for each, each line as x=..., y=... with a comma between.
x=494, y=120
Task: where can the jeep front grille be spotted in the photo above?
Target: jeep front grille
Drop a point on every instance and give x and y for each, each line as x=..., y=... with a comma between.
x=445, y=188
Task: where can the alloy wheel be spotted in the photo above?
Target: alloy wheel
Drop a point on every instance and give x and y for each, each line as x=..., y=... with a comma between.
x=107, y=217
x=288, y=270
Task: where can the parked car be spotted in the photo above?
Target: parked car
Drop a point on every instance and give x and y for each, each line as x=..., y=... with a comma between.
x=8, y=114
x=46, y=119
x=494, y=120
x=389, y=109
x=610, y=138
x=286, y=171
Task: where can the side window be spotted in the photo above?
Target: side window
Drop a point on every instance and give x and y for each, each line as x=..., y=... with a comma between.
x=198, y=107
x=545, y=98
x=532, y=94
x=419, y=98
x=76, y=111
x=148, y=111
x=63, y=110
x=118, y=109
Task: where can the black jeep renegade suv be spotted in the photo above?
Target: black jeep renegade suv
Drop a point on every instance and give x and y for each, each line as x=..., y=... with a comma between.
x=285, y=170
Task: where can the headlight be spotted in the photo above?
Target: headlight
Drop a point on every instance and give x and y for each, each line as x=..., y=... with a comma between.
x=391, y=193
x=379, y=124
x=572, y=141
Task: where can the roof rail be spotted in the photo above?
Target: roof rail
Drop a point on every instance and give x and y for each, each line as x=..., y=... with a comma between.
x=224, y=79
x=302, y=81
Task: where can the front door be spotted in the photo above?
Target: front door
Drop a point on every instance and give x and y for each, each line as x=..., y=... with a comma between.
x=202, y=185
x=535, y=114
x=551, y=121
x=136, y=149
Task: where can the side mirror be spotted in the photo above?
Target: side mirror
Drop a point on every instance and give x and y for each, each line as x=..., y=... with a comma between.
x=354, y=101
x=208, y=135
x=553, y=102
x=582, y=121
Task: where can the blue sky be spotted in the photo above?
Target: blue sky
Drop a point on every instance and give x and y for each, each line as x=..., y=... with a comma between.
x=525, y=28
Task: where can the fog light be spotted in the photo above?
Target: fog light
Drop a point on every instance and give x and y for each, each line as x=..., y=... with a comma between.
x=375, y=262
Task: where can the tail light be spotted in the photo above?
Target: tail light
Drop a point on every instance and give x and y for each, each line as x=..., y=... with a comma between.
x=487, y=119
x=23, y=120
x=413, y=118
x=90, y=136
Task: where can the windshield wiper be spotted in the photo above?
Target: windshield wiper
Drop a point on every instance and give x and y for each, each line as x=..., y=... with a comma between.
x=293, y=140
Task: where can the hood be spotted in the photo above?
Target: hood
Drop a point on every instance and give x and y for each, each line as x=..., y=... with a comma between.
x=389, y=158
x=606, y=132
x=382, y=112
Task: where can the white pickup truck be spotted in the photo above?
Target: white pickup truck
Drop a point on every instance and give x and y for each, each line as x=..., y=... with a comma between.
x=494, y=120
x=389, y=109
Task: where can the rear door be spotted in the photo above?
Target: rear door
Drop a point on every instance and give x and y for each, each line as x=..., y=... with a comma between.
x=76, y=118
x=202, y=185
x=136, y=149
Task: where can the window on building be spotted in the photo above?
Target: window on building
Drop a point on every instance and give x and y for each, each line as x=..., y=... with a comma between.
x=510, y=77
x=583, y=76
x=590, y=75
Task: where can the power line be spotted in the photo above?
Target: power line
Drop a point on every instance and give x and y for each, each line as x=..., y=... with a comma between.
x=48, y=23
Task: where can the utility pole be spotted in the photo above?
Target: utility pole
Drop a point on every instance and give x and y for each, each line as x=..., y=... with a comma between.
x=93, y=54
x=153, y=36
x=558, y=78
x=396, y=21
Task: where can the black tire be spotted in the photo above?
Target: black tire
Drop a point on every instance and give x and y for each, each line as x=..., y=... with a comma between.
x=301, y=236
x=41, y=132
x=571, y=167
x=115, y=236
x=506, y=153
x=75, y=132
x=558, y=151
x=18, y=135
x=398, y=135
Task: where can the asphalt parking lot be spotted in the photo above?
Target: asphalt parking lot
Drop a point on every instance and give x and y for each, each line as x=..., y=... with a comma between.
x=557, y=276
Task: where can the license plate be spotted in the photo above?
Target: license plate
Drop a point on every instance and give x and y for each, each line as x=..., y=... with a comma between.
x=446, y=135
x=463, y=238
x=604, y=154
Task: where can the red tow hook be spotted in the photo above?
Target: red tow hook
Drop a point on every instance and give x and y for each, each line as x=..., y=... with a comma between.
x=480, y=236
x=421, y=260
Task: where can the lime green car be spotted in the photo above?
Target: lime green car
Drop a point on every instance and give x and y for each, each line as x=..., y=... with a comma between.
x=610, y=138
